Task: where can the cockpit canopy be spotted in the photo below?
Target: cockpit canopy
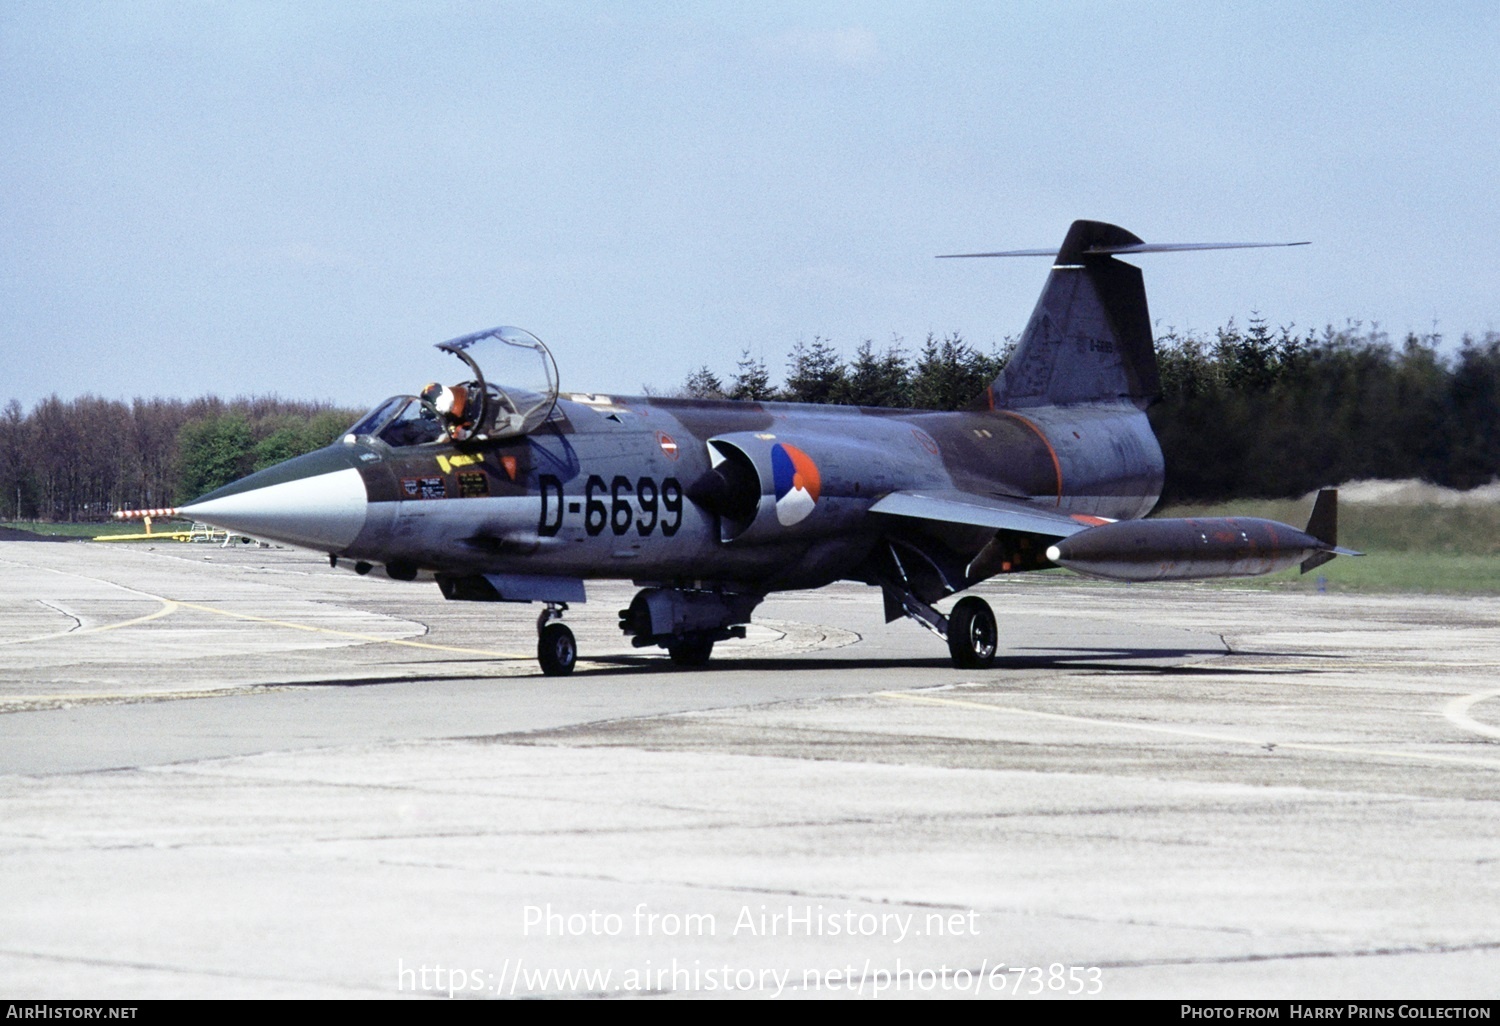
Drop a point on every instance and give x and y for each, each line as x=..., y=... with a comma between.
x=511, y=391
x=519, y=359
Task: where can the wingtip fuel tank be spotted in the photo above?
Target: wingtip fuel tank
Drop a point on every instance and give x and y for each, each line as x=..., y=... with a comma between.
x=1193, y=548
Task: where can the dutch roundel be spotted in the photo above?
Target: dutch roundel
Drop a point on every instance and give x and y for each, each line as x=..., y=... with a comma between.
x=797, y=483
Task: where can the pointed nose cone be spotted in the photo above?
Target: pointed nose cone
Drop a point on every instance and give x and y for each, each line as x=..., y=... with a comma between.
x=315, y=501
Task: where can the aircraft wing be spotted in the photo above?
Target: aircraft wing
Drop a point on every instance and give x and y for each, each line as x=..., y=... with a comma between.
x=955, y=507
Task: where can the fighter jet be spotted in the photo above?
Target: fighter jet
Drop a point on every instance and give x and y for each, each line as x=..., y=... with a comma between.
x=501, y=489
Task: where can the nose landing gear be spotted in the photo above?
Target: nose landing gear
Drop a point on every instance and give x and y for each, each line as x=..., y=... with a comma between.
x=556, y=649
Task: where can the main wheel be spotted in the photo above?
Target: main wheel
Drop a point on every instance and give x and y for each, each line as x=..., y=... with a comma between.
x=972, y=637
x=692, y=650
x=556, y=650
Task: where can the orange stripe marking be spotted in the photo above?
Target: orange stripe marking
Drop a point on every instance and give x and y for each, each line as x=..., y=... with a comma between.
x=1056, y=463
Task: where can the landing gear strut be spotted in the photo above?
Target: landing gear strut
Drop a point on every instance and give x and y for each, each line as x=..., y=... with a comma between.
x=555, y=648
x=970, y=632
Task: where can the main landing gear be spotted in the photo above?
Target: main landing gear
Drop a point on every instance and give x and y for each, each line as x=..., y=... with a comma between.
x=556, y=649
x=970, y=630
x=687, y=624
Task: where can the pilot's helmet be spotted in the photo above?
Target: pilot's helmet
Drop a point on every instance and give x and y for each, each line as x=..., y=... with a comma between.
x=457, y=400
x=431, y=392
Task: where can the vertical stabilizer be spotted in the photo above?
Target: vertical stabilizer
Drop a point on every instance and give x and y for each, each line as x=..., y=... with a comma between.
x=1089, y=338
x=1324, y=522
x=1324, y=526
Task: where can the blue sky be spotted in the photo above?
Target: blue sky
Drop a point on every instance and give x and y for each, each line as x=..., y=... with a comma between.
x=301, y=198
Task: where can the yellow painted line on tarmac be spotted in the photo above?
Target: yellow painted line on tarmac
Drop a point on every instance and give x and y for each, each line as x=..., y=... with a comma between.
x=352, y=634
x=1200, y=735
x=172, y=605
x=167, y=606
x=161, y=536
x=1457, y=713
x=129, y=697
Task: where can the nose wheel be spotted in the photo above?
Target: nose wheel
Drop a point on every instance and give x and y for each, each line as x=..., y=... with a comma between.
x=556, y=649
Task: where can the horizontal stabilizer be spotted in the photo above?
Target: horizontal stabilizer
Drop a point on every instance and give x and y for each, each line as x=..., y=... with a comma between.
x=1125, y=250
x=1089, y=337
x=1314, y=561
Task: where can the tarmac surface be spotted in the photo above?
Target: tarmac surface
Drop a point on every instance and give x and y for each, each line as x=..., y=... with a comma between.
x=235, y=772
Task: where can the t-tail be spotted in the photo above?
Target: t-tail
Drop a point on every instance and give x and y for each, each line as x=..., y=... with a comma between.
x=1089, y=339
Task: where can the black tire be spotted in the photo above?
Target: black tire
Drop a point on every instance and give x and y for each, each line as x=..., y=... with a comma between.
x=693, y=650
x=556, y=650
x=972, y=635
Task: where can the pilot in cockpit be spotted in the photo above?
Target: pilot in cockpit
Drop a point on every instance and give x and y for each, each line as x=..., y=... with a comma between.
x=453, y=404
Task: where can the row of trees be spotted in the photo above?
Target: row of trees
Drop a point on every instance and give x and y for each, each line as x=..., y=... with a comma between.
x=944, y=375
x=83, y=458
x=1245, y=412
x=1275, y=414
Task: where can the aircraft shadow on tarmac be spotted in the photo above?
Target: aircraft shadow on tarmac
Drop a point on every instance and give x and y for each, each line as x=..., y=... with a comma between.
x=10, y=534
x=1098, y=660
x=1118, y=660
